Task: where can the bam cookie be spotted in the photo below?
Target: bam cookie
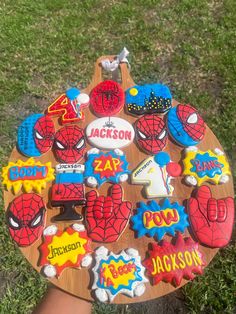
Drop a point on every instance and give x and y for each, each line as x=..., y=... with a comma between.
x=151, y=133
x=211, y=219
x=118, y=274
x=155, y=173
x=156, y=220
x=172, y=262
x=147, y=99
x=62, y=249
x=31, y=175
x=205, y=166
x=185, y=125
x=105, y=167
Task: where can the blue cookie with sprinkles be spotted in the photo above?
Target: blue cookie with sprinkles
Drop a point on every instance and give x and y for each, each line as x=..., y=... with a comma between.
x=147, y=99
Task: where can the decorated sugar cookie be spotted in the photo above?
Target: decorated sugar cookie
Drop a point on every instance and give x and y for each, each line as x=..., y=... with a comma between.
x=118, y=274
x=155, y=173
x=211, y=219
x=107, y=216
x=205, y=166
x=172, y=262
x=110, y=133
x=151, y=133
x=68, y=191
x=146, y=99
x=69, y=144
x=62, y=249
x=69, y=106
x=155, y=220
x=107, y=99
x=185, y=125
x=26, y=218
x=31, y=175
x=103, y=167
x=35, y=135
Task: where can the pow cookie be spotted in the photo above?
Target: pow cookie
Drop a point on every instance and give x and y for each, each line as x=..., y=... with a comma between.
x=209, y=166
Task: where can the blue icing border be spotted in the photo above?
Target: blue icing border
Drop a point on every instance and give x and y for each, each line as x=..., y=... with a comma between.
x=159, y=232
x=210, y=173
x=129, y=287
x=177, y=131
x=89, y=169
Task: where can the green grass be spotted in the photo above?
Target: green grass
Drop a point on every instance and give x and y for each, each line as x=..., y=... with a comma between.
x=47, y=46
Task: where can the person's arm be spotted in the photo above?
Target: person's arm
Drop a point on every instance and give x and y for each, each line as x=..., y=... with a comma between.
x=60, y=302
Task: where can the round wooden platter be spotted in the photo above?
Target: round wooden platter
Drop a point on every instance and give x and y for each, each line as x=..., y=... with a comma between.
x=79, y=281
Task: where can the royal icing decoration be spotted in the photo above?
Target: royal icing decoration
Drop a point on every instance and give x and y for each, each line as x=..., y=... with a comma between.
x=118, y=274
x=201, y=166
x=151, y=133
x=156, y=173
x=68, y=191
x=110, y=133
x=69, y=106
x=35, y=135
x=107, y=99
x=26, y=218
x=103, y=167
x=107, y=216
x=185, y=125
x=153, y=98
x=154, y=220
x=31, y=175
x=211, y=219
x=69, y=144
x=171, y=263
x=62, y=249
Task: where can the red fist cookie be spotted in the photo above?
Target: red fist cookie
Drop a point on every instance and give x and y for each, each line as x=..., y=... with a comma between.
x=211, y=219
x=107, y=216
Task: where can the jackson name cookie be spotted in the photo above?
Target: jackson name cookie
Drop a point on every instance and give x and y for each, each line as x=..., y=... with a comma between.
x=171, y=262
x=118, y=274
x=205, y=166
x=185, y=125
x=31, y=175
x=156, y=220
x=105, y=167
x=147, y=99
x=62, y=249
x=155, y=173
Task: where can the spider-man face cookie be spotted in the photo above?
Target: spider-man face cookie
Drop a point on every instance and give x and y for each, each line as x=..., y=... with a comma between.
x=151, y=133
x=107, y=99
x=69, y=144
x=211, y=219
x=44, y=132
x=185, y=125
x=147, y=99
x=26, y=218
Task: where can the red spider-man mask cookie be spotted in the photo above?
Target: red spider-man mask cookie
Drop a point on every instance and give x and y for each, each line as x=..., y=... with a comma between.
x=44, y=132
x=151, y=133
x=26, y=218
x=69, y=144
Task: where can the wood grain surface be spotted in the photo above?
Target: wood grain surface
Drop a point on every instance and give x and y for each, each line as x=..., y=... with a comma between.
x=78, y=281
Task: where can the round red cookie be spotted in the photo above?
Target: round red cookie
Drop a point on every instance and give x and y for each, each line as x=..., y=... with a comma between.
x=107, y=99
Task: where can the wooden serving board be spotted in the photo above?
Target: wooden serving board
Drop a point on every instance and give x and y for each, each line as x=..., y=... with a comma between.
x=79, y=281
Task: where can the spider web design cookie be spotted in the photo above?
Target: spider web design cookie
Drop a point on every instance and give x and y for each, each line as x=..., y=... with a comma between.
x=171, y=263
x=31, y=175
x=69, y=106
x=107, y=217
x=147, y=99
x=26, y=218
x=156, y=220
x=115, y=274
x=62, y=249
x=107, y=99
x=211, y=219
x=205, y=166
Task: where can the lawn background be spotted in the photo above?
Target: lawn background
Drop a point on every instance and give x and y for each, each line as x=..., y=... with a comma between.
x=47, y=46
